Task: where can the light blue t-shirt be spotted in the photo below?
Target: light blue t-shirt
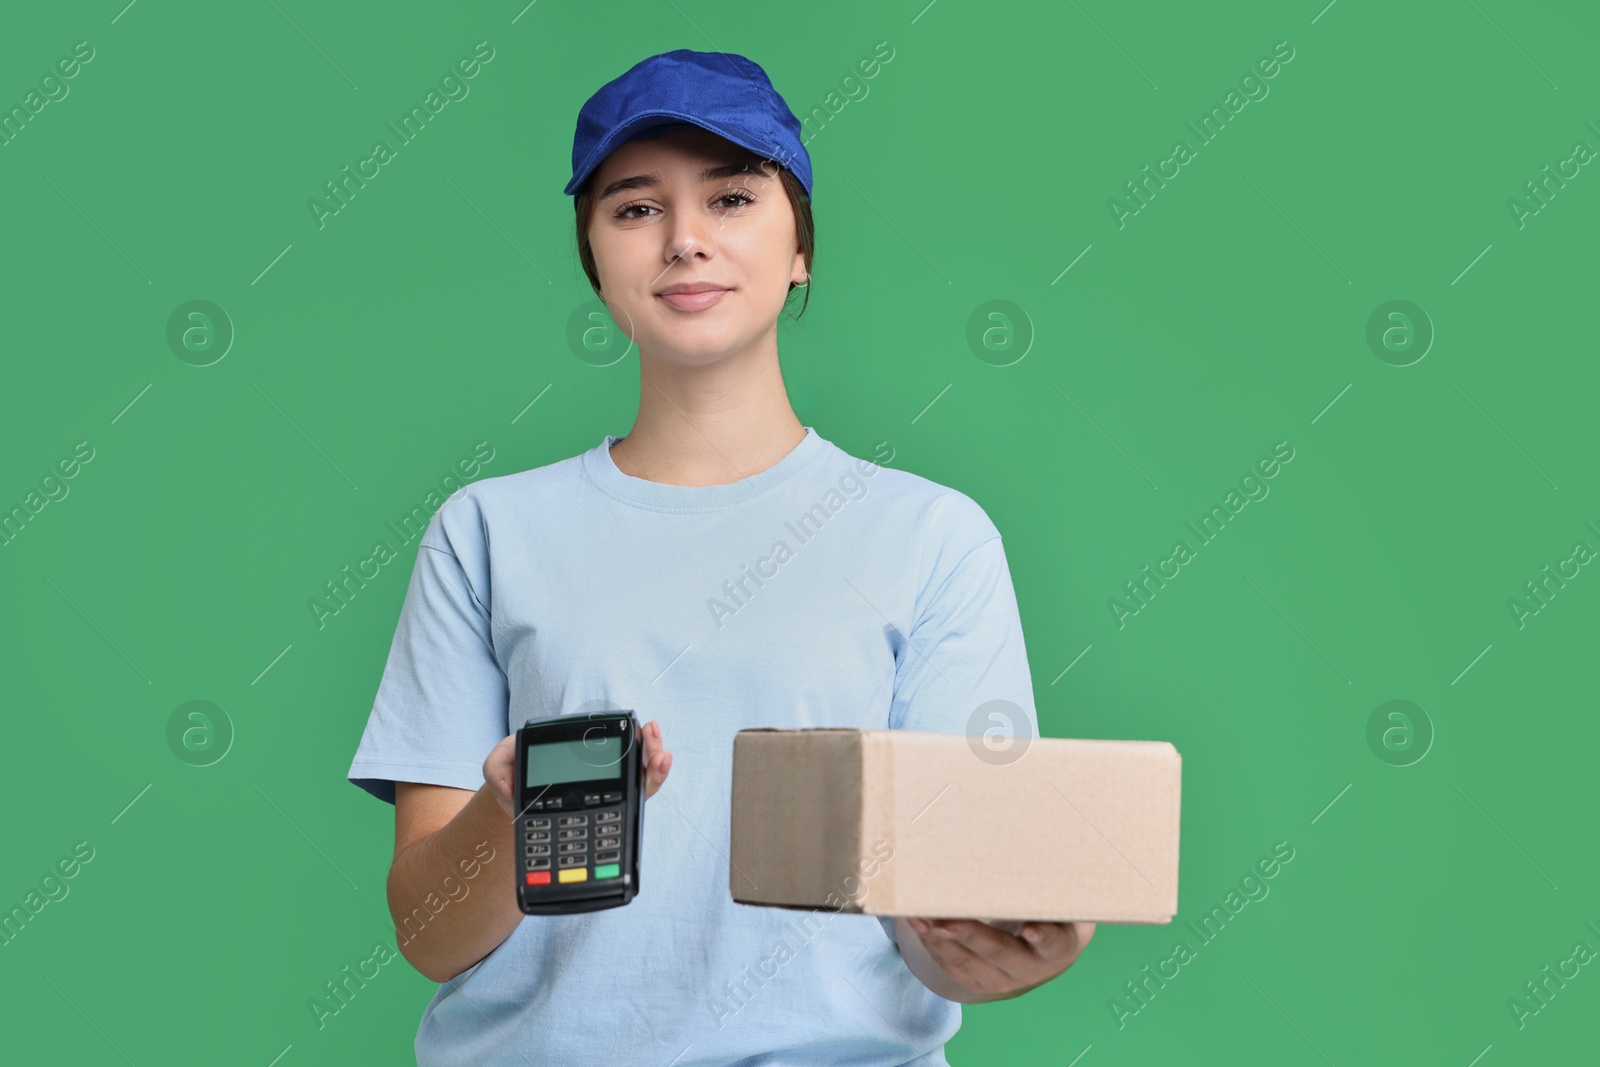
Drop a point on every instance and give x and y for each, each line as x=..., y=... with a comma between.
x=823, y=591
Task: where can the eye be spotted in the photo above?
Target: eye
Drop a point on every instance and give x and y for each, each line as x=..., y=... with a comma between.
x=737, y=194
x=744, y=199
x=622, y=212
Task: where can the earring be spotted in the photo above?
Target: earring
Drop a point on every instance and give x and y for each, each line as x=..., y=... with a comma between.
x=803, y=285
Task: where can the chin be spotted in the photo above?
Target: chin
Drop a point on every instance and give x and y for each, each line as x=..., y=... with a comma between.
x=698, y=345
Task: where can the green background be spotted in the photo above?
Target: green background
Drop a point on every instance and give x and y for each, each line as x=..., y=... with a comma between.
x=1230, y=313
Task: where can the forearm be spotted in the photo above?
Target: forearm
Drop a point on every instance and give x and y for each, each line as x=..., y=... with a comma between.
x=451, y=894
x=930, y=974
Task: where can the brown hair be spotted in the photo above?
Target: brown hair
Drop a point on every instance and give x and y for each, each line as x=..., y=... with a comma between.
x=805, y=236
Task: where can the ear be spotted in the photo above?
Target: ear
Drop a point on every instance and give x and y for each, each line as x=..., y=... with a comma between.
x=798, y=275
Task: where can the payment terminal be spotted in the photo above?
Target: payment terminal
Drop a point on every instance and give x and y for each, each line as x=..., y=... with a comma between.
x=580, y=812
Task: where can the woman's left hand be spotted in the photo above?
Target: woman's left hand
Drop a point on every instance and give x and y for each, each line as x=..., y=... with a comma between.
x=991, y=964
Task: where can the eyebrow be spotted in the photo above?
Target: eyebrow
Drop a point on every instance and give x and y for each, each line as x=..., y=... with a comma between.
x=709, y=174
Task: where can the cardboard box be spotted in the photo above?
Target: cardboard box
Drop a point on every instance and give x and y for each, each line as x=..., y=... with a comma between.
x=897, y=822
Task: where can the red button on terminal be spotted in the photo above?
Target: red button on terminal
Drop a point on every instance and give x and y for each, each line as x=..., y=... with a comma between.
x=538, y=877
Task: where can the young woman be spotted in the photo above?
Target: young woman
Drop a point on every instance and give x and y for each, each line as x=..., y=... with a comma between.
x=719, y=567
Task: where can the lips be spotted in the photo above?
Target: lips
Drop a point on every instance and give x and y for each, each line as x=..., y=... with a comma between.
x=693, y=298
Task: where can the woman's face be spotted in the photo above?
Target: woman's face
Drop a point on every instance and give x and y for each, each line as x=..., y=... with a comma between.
x=689, y=208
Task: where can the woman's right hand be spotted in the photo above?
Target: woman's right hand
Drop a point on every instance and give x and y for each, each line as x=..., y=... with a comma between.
x=500, y=767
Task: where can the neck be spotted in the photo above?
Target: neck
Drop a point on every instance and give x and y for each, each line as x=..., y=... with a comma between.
x=710, y=424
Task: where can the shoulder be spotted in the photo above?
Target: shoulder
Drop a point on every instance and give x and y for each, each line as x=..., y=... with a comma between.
x=465, y=523
x=935, y=506
x=941, y=509
x=943, y=523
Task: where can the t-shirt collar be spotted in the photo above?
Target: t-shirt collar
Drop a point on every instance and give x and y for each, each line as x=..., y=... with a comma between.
x=610, y=479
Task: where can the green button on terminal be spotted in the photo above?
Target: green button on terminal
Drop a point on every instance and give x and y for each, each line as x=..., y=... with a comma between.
x=609, y=870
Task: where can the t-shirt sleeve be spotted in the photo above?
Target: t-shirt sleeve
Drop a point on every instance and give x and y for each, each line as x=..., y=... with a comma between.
x=963, y=669
x=442, y=703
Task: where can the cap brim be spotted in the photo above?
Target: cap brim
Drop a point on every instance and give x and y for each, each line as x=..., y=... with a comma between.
x=640, y=127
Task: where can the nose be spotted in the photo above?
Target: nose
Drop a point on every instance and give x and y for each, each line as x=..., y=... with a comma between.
x=690, y=237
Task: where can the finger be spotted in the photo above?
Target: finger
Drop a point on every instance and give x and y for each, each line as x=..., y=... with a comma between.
x=656, y=773
x=1055, y=943
x=966, y=967
x=653, y=743
x=1013, y=955
x=983, y=940
x=657, y=760
x=1082, y=934
x=1008, y=956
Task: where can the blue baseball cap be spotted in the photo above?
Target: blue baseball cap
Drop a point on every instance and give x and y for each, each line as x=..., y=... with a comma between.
x=718, y=91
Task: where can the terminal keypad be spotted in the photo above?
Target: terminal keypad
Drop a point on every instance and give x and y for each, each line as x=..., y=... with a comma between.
x=587, y=843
